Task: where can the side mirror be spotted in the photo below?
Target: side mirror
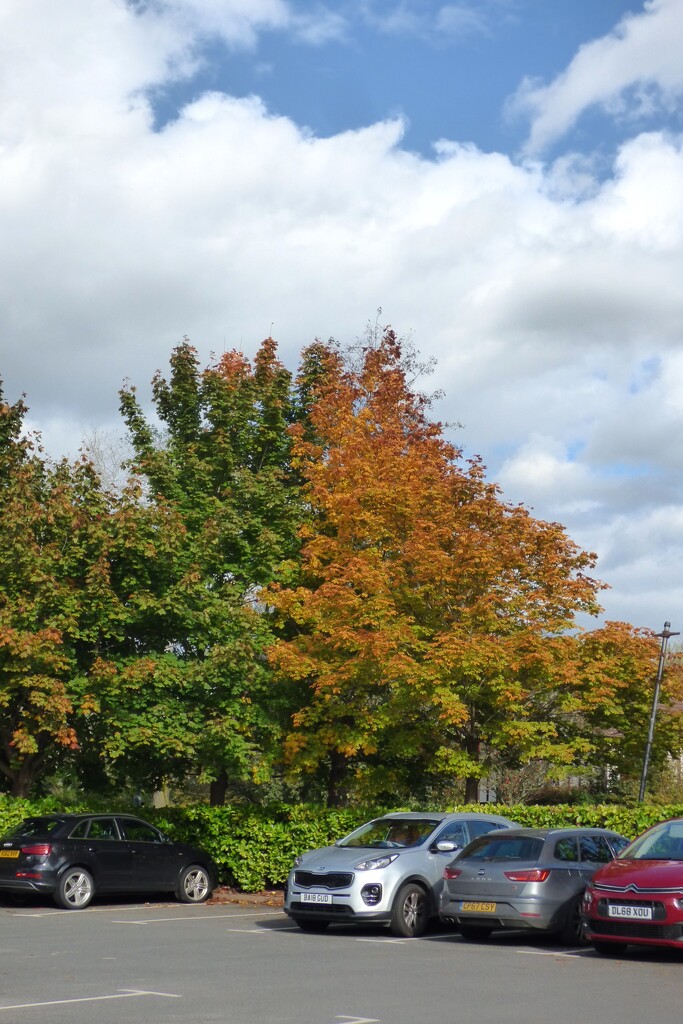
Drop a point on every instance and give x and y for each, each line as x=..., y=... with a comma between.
x=447, y=846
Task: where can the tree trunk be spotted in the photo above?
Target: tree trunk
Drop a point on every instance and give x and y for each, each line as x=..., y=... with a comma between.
x=218, y=789
x=471, y=790
x=23, y=778
x=472, y=782
x=336, y=792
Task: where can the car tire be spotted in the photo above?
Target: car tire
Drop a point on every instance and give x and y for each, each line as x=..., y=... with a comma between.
x=75, y=889
x=475, y=932
x=608, y=948
x=410, y=912
x=572, y=933
x=194, y=884
x=310, y=924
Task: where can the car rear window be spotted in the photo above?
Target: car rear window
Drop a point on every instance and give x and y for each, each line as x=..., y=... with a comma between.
x=502, y=847
x=36, y=827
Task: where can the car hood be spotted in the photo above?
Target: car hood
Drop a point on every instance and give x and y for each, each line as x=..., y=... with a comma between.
x=642, y=874
x=336, y=858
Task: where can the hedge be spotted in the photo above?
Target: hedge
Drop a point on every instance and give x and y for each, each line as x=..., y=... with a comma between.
x=254, y=847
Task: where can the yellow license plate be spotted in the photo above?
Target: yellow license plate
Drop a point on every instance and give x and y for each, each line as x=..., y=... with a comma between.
x=479, y=908
x=9, y=853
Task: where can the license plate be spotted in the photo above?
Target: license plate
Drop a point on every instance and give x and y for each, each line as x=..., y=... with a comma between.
x=9, y=853
x=624, y=910
x=479, y=908
x=316, y=897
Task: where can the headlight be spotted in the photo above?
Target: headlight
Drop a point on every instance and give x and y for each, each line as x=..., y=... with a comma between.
x=376, y=862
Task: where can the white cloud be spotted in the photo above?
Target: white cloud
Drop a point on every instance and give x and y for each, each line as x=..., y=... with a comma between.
x=401, y=17
x=551, y=298
x=460, y=19
x=236, y=22
x=642, y=55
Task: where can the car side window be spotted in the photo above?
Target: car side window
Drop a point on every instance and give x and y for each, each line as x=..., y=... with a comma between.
x=103, y=828
x=80, y=831
x=567, y=849
x=595, y=849
x=456, y=832
x=140, y=832
x=478, y=827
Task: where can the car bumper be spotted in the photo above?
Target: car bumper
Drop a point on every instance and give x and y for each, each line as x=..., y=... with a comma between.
x=522, y=913
x=27, y=885
x=658, y=933
x=342, y=913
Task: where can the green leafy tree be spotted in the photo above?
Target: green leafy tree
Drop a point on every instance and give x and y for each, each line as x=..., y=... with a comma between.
x=48, y=577
x=222, y=461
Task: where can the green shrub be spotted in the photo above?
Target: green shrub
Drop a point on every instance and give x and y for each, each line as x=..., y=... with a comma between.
x=254, y=847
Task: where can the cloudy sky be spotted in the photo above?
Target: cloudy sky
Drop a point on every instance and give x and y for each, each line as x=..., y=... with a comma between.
x=503, y=178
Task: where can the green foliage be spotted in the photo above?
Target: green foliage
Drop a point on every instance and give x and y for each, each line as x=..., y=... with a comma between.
x=222, y=462
x=255, y=847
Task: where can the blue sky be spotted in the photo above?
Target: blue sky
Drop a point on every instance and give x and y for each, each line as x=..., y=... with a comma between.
x=448, y=69
x=503, y=178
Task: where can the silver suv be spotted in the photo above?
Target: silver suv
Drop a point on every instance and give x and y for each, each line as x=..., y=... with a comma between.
x=389, y=870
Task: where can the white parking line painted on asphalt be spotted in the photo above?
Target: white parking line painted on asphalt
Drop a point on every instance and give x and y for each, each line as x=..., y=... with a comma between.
x=570, y=954
x=89, y=910
x=357, y=1020
x=395, y=942
x=249, y=931
x=126, y=993
x=208, y=917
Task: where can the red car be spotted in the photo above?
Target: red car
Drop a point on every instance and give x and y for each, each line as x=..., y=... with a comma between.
x=638, y=898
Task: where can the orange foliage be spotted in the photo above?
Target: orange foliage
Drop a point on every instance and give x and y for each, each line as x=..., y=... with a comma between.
x=429, y=615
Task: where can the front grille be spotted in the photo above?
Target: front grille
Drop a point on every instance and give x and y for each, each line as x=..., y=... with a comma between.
x=338, y=909
x=628, y=929
x=328, y=880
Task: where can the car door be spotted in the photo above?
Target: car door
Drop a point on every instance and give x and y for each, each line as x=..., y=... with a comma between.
x=97, y=843
x=595, y=851
x=155, y=861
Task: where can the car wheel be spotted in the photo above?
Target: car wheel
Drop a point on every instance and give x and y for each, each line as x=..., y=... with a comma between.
x=475, y=932
x=608, y=948
x=410, y=914
x=572, y=933
x=194, y=884
x=75, y=889
x=310, y=924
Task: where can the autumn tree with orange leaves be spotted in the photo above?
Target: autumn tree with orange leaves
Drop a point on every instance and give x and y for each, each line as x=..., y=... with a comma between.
x=430, y=624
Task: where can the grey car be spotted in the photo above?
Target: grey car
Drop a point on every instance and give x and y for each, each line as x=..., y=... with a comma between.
x=529, y=878
x=389, y=871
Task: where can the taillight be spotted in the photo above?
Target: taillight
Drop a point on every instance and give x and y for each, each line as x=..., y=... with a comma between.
x=532, y=875
x=39, y=850
x=451, y=872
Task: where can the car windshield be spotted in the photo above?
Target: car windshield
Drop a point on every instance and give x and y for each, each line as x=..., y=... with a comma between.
x=394, y=833
x=501, y=847
x=663, y=842
x=36, y=827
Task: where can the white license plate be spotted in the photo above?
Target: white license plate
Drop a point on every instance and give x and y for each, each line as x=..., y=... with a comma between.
x=316, y=897
x=624, y=910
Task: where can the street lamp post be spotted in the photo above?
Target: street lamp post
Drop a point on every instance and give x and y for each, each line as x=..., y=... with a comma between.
x=665, y=634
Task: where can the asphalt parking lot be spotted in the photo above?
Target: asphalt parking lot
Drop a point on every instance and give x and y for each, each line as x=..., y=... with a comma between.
x=146, y=963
